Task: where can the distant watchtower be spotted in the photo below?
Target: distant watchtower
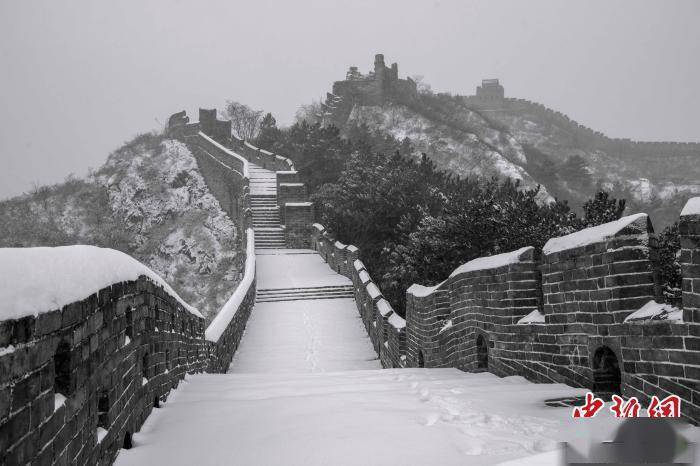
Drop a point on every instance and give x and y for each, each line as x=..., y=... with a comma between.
x=375, y=88
x=490, y=89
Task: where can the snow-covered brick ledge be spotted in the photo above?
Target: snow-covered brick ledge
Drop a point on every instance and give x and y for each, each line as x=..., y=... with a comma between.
x=496, y=261
x=262, y=157
x=227, y=315
x=241, y=160
x=420, y=291
x=384, y=326
x=632, y=224
x=692, y=207
x=39, y=280
x=653, y=311
x=535, y=317
x=82, y=326
x=525, y=254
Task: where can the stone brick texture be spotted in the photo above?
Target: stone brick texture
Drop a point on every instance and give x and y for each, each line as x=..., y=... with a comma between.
x=290, y=193
x=114, y=356
x=298, y=220
x=385, y=328
x=224, y=176
x=585, y=293
x=261, y=157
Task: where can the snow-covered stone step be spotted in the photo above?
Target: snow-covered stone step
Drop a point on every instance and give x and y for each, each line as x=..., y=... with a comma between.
x=265, y=210
x=305, y=297
x=292, y=294
x=305, y=289
x=320, y=288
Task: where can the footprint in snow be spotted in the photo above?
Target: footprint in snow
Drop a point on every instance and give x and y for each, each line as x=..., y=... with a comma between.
x=424, y=395
x=431, y=419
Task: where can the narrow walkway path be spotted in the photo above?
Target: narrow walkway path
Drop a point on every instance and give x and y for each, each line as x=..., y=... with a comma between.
x=304, y=320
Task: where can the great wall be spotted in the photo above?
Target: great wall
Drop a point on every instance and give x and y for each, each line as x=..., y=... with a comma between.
x=77, y=382
x=382, y=85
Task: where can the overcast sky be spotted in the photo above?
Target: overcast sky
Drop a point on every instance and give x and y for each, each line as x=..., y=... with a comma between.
x=78, y=78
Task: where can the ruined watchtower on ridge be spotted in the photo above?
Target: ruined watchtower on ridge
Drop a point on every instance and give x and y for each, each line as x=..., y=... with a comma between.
x=375, y=87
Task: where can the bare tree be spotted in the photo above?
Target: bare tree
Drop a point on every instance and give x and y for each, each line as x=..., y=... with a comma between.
x=245, y=121
x=421, y=85
x=311, y=113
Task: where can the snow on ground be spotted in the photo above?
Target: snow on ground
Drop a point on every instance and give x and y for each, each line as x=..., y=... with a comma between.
x=304, y=336
x=375, y=417
x=37, y=280
x=294, y=268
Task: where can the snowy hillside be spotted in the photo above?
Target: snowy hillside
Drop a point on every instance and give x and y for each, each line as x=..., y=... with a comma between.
x=532, y=148
x=148, y=200
x=484, y=152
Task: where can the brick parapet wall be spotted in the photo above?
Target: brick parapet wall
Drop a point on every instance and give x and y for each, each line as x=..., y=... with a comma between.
x=287, y=176
x=601, y=283
x=261, y=157
x=298, y=220
x=219, y=130
x=385, y=328
x=97, y=353
x=582, y=300
x=289, y=193
x=226, y=330
x=114, y=356
x=426, y=313
x=226, y=177
x=689, y=229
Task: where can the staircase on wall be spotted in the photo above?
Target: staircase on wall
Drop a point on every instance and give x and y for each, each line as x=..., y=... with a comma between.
x=263, y=203
x=296, y=294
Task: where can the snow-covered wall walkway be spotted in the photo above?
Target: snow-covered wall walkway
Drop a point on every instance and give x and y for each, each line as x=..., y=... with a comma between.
x=306, y=331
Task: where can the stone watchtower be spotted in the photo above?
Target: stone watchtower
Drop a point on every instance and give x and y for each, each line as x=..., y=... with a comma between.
x=490, y=90
x=379, y=67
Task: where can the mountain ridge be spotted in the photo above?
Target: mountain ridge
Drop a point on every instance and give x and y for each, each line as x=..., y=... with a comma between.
x=488, y=134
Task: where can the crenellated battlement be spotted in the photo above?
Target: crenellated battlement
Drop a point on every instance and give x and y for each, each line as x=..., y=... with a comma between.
x=78, y=378
x=584, y=312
